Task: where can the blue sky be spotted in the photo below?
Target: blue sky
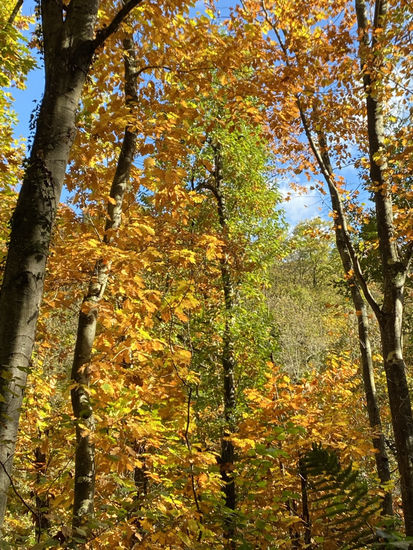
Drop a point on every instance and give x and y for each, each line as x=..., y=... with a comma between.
x=26, y=100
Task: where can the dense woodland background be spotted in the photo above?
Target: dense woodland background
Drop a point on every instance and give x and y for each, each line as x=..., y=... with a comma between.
x=188, y=370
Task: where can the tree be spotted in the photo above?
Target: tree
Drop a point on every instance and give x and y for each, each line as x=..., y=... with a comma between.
x=237, y=188
x=181, y=400
x=69, y=44
x=317, y=99
x=227, y=171
x=88, y=315
x=395, y=258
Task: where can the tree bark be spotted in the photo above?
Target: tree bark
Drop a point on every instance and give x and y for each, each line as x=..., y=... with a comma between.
x=84, y=485
x=69, y=44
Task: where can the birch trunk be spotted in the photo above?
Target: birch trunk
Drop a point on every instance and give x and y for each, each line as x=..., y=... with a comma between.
x=69, y=42
x=84, y=484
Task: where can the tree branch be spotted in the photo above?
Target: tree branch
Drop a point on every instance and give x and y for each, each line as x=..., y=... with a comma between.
x=328, y=175
x=325, y=167
x=18, y=494
x=103, y=34
x=171, y=69
x=408, y=258
x=15, y=11
x=380, y=12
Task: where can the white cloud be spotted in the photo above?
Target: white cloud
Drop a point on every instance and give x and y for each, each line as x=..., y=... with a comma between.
x=301, y=205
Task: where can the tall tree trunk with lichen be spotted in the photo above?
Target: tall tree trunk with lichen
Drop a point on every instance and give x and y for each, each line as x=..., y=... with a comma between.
x=84, y=483
x=69, y=43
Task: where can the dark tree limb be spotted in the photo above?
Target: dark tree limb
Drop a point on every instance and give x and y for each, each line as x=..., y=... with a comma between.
x=103, y=34
x=15, y=11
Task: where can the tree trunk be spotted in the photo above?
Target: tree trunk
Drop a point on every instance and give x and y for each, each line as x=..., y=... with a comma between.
x=401, y=411
x=356, y=282
x=84, y=485
x=227, y=447
x=69, y=43
x=42, y=499
x=351, y=269
x=141, y=481
x=394, y=269
x=373, y=411
x=34, y=215
x=228, y=367
x=305, y=508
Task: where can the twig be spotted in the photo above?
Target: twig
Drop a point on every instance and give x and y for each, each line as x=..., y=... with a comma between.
x=171, y=69
x=59, y=474
x=35, y=514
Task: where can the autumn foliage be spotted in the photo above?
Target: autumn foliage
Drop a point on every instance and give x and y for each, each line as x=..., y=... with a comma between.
x=216, y=396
